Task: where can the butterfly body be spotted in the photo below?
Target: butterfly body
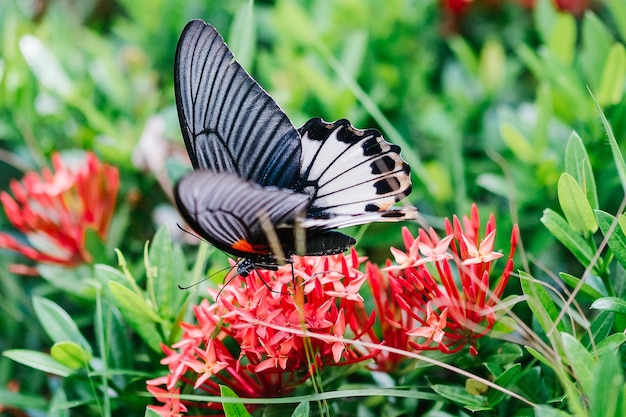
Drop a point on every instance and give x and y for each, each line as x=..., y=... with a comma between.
x=256, y=175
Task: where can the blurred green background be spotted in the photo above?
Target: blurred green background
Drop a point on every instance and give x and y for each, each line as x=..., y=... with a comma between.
x=482, y=101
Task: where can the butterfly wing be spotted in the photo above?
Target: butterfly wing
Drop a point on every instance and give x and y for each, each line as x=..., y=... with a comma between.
x=227, y=211
x=354, y=176
x=229, y=123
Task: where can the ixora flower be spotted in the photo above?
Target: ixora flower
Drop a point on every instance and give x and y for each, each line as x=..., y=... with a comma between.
x=54, y=210
x=235, y=344
x=442, y=286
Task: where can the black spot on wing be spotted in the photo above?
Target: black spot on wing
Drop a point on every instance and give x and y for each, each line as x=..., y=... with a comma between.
x=387, y=185
x=383, y=165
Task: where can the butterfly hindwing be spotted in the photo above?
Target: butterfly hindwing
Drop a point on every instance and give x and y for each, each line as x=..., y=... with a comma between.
x=229, y=123
x=353, y=175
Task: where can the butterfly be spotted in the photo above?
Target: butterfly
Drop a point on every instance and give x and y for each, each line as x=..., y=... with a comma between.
x=256, y=174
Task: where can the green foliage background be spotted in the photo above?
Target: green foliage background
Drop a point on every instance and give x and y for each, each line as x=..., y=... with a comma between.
x=483, y=106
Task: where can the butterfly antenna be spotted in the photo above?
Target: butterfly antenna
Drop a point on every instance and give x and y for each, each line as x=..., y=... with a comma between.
x=205, y=278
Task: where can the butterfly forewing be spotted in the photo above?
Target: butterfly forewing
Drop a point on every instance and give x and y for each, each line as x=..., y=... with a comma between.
x=229, y=123
x=226, y=210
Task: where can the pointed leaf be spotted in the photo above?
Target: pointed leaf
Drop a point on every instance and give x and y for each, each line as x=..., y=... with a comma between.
x=23, y=401
x=70, y=354
x=539, y=301
x=142, y=324
x=587, y=289
x=612, y=82
x=548, y=411
x=573, y=241
x=232, y=409
x=615, y=235
x=38, y=360
x=517, y=142
x=562, y=39
x=302, y=410
x=160, y=269
x=460, y=396
x=615, y=149
x=618, y=13
x=58, y=324
x=578, y=166
x=607, y=392
x=506, y=379
x=614, y=304
x=581, y=361
x=575, y=206
x=151, y=413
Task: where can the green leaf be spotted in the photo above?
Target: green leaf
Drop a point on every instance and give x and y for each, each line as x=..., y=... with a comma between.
x=131, y=301
x=506, y=380
x=71, y=281
x=573, y=241
x=464, y=54
x=22, y=401
x=578, y=166
x=581, y=361
x=562, y=39
x=505, y=354
x=232, y=409
x=58, y=324
x=608, y=391
x=517, y=142
x=611, y=344
x=612, y=83
x=38, y=360
x=548, y=411
x=460, y=396
x=545, y=15
x=45, y=66
x=151, y=413
x=492, y=65
x=615, y=149
x=160, y=269
x=139, y=316
x=596, y=41
x=575, y=206
x=539, y=301
x=615, y=235
x=302, y=410
x=539, y=356
x=242, y=35
x=618, y=13
x=587, y=289
x=70, y=354
x=614, y=304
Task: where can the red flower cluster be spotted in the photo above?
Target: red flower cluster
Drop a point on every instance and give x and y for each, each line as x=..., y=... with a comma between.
x=449, y=295
x=438, y=296
x=576, y=7
x=54, y=210
x=316, y=294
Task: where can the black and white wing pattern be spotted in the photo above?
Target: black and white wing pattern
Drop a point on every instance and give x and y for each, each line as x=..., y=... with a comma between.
x=229, y=123
x=253, y=167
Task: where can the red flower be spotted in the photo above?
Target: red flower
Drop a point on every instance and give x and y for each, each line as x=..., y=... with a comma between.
x=314, y=294
x=426, y=285
x=54, y=210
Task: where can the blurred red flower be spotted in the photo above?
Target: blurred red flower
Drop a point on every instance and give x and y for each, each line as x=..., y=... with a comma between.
x=54, y=210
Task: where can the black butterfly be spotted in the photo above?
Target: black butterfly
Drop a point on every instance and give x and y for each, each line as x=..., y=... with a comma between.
x=254, y=169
